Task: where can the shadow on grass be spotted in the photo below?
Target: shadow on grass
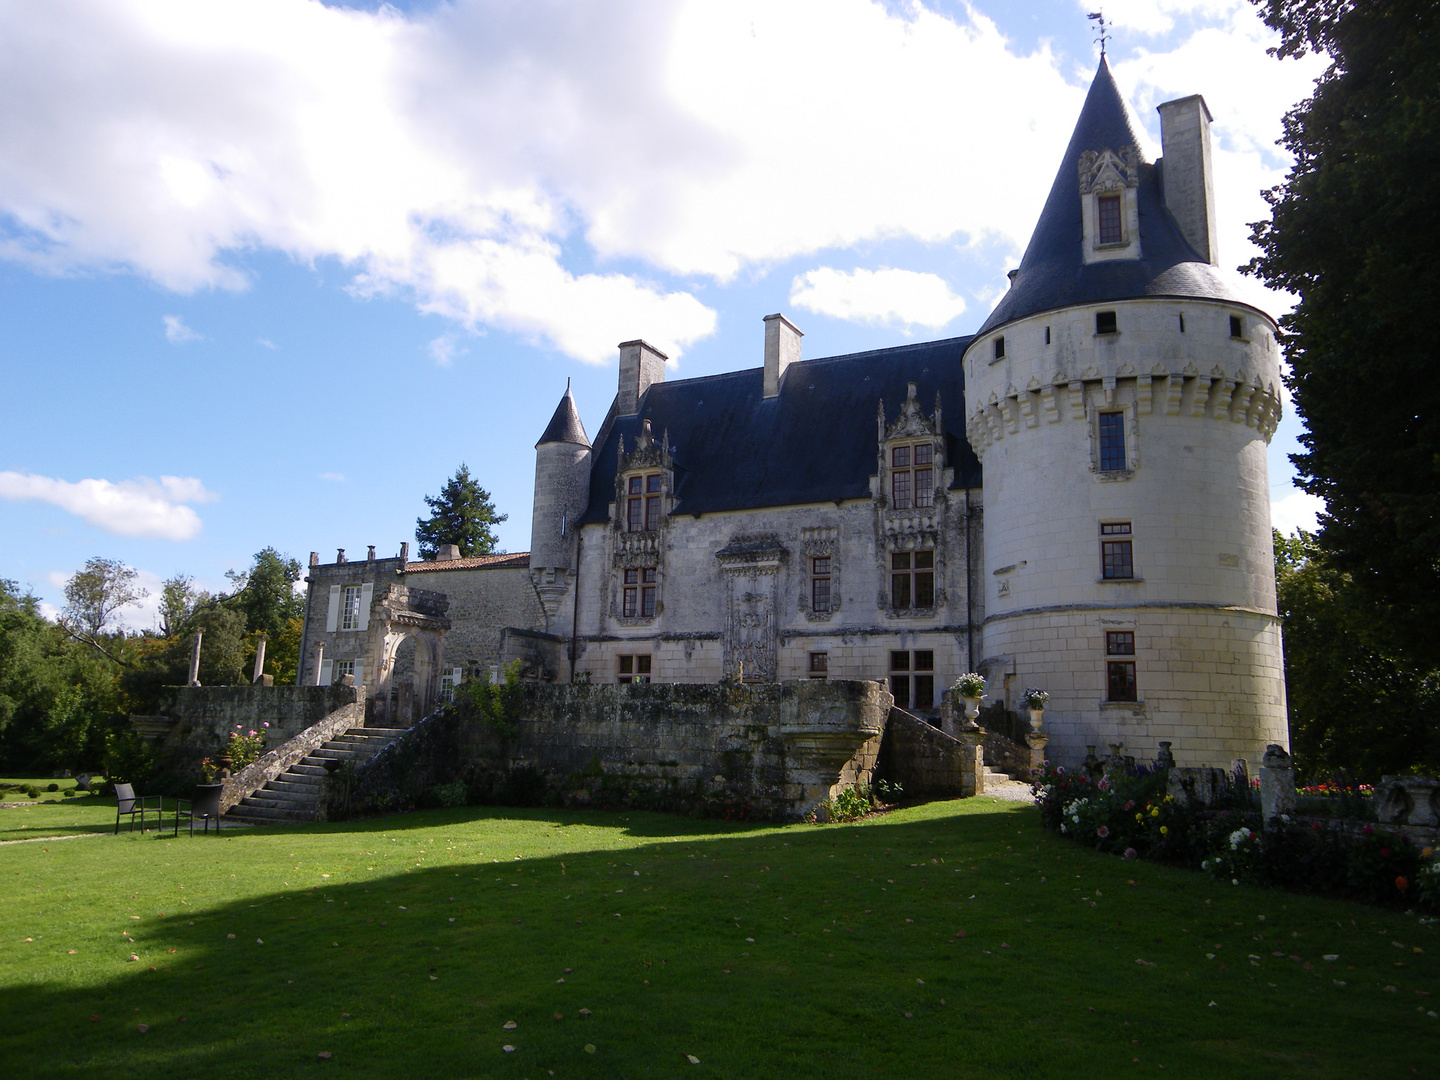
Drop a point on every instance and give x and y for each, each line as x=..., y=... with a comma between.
x=946, y=940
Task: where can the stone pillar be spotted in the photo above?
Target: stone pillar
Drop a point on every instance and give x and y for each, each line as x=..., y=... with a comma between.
x=195, y=660
x=319, y=661
x=259, y=660
x=1114, y=764
x=1277, y=783
x=1037, y=743
x=404, y=552
x=370, y=553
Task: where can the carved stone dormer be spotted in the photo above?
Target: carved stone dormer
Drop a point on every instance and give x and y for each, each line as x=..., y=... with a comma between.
x=910, y=501
x=1109, y=188
x=639, y=522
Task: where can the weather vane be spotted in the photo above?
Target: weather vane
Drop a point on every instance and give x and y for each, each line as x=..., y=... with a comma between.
x=1099, y=16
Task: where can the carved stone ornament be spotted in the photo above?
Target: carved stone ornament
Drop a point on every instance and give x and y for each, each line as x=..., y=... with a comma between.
x=1109, y=170
x=751, y=565
x=912, y=421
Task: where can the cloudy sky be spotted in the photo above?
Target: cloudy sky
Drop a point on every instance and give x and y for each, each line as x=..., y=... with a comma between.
x=270, y=270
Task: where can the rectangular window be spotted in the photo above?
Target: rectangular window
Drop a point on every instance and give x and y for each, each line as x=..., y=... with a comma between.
x=640, y=593
x=912, y=476
x=1117, y=560
x=1000, y=347
x=912, y=580
x=1105, y=323
x=912, y=679
x=1237, y=326
x=1112, y=441
x=652, y=503
x=1109, y=210
x=647, y=592
x=642, y=503
x=820, y=584
x=819, y=665
x=341, y=669
x=1120, y=674
x=633, y=669
x=350, y=607
x=635, y=505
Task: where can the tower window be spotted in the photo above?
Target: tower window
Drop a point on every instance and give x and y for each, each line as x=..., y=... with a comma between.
x=1237, y=326
x=1047, y=335
x=1000, y=347
x=820, y=665
x=1117, y=558
x=1182, y=323
x=1112, y=441
x=820, y=584
x=1105, y=322
x=912, y=679
x=1120, y=674
x=640, y=593
x=912, y=580
x=1108, y=207
x=912, y=476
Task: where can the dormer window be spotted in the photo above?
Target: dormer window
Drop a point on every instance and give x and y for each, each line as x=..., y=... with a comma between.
x=912, y=476
x=642, y=503
x=1110, y=228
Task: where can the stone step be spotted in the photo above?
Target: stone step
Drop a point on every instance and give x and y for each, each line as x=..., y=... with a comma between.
x=266, y=814
x=289, y=787
x=382, y=732
x=282, y=802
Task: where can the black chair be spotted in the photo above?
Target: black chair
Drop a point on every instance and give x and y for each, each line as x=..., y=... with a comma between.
x=127, y=802
x=205, y=806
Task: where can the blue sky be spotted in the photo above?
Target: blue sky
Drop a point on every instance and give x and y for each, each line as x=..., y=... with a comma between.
x=270, y=270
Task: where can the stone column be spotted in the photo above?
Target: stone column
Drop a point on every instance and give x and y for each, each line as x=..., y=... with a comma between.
x=1037, y=743
x=195, y=660
x=259, y=660
x=972, y=760
x=319, y=660
x=1277, y=783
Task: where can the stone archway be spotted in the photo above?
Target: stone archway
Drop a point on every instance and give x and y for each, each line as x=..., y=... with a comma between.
x=407, y=625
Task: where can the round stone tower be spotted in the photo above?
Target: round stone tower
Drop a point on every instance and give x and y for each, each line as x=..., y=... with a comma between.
x=562, y=489
x=1121, y=397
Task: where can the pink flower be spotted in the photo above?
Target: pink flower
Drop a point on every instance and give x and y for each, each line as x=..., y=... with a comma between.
x=1103, y=831
x=265, y=724
x=1367, y=830
x=1131, y=853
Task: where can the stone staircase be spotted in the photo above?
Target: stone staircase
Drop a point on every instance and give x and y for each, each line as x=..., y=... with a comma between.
x=294, y=795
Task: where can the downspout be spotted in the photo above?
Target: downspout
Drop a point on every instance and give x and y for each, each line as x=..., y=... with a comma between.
x=969, y=585
x=575, y=611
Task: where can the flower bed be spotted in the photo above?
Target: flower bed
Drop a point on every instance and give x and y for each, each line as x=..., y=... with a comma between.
x=1134, y=817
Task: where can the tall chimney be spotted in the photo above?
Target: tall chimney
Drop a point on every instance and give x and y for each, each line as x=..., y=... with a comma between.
x=1185, y=167
x=782, y=348
x=640, y=365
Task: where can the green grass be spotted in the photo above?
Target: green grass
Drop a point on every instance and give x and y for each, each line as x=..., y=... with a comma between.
x=11, y=789
x=432, y=930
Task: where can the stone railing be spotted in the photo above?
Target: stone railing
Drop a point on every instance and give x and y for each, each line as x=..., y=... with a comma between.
x=268, y=766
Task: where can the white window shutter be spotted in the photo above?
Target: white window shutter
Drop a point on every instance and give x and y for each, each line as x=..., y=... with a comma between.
x=326, y=666
x=457, y=674
x=359, y=673
x=366, y=592
x=332, y=616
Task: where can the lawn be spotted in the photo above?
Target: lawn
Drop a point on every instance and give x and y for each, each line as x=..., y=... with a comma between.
x=955, y=939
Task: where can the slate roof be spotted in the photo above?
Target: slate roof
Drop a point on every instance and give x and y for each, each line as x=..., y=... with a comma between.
x=815, y=442
x=1053, y=273
x=565, y=425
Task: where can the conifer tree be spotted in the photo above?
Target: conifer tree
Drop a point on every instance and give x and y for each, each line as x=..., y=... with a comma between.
x=462, y=514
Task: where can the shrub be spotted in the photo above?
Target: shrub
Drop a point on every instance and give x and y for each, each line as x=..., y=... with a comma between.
x=53, y=787
x=447, y=795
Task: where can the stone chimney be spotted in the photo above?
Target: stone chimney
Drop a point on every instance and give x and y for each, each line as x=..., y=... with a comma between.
x=782, y=348
x=1186, y=172
x=640, y=365
x=447, y=553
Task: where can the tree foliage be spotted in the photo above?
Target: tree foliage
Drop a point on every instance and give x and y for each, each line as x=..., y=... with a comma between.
x=265, y=593
x=1353, y=234
x=97, y=591
x=462, y=514
x=1356, y=703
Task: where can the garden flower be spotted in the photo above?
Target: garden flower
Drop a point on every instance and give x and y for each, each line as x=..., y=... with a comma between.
x=1131, y=853
x=1154, y=811
x=1103, y=831
x=1385, y=853
x=1139, y=817
x=1401, y=884
x=1164, y=830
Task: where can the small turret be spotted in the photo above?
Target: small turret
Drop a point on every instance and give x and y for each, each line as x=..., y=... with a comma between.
x=562, y=488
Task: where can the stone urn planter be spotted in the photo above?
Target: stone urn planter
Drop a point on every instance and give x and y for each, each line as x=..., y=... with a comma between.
x=1037, y=719
x=972, y=707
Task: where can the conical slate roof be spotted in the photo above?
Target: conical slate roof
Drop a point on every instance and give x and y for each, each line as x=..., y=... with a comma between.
x=565, y=425
x=1053, y=273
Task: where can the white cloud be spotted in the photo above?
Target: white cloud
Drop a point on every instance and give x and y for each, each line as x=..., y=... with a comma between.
x=1296, y=510
x=140, y=507
x=444, y=349
x=265, y=343
x=176, y=332
x=895, y=297
x=455, y=156
x=333, y=477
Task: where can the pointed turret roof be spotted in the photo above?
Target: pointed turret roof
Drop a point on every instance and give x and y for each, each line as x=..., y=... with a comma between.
x=1054, y=274
x=565, y=425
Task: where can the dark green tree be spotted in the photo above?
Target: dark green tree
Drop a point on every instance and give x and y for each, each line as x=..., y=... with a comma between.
x=97, y=591
x=462, y=514
x=1353, y=234
x=1356, y=704
x=265, y=593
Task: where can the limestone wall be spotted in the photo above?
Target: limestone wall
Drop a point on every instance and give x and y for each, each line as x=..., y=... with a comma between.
x=777, y=749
